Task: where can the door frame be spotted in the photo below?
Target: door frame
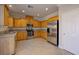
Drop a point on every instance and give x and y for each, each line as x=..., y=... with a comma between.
x=57, y=33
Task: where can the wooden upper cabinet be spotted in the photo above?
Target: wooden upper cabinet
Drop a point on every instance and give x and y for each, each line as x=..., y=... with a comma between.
x=6, y=16
x=20, y=22
x=10, y=21
x=44, y=24
x=35, y=23
x=54, y=18
x=30, y=20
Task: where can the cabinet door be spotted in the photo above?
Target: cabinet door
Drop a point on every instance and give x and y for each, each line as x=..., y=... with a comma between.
x=44, y=24
x=21, y=36
x=43, y=32
x=20, y=23
x=10, y=23
x=6, y=16
x=37, y=33
x=35, y=23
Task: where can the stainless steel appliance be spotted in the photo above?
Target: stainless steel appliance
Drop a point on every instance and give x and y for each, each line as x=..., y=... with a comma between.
x=29, y=29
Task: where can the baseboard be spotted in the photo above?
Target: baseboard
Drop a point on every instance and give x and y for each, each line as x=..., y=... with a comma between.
x=69, y=52
x=52, y=43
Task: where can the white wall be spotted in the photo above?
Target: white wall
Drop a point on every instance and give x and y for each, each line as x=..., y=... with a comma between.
x=1, y=15
x=69, y=28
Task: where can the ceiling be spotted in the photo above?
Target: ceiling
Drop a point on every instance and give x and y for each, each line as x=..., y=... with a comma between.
x=33, y=9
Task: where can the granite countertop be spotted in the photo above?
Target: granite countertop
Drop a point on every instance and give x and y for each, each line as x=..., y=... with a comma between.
x=24, y=29
x=7, y=34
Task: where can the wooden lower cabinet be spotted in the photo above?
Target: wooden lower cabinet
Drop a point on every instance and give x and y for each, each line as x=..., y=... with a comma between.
x=43, y=34
x=21, y=36
x=37, y=33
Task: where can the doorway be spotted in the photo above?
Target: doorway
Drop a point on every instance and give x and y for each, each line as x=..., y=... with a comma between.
x=53, y=32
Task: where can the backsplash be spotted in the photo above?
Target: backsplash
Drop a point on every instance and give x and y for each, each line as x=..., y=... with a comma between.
x=3, y=29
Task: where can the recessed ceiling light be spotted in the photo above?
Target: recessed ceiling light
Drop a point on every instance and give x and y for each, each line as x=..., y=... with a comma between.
x=38, y=14
x=46, y=9
x=23, y=11
x=10, y=5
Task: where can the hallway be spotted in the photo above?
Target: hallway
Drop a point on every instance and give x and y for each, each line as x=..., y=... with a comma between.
x=38, y=46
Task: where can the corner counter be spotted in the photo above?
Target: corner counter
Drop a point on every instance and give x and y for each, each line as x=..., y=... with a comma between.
x=7, y=43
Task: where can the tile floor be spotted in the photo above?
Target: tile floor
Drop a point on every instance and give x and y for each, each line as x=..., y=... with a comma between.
x=52, y=39
x=38, y=46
